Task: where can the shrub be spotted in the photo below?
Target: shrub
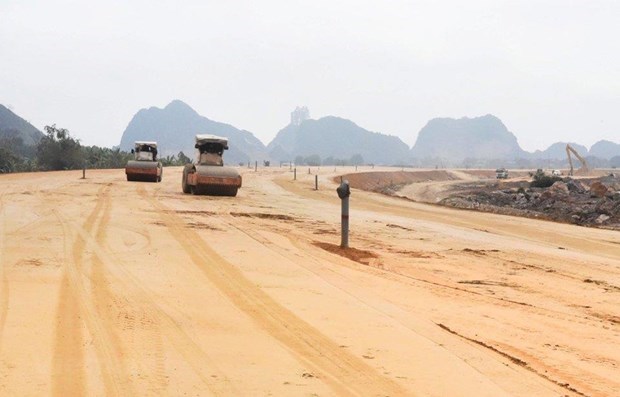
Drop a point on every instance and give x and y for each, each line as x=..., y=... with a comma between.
x=542, y=180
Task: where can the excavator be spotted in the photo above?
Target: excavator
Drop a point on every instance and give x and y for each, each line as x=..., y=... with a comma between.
x=584, y=170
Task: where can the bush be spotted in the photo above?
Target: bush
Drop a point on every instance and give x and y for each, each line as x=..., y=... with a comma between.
x=542, y=180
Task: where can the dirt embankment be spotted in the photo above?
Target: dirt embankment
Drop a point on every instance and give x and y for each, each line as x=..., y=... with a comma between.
x=490, y=174
x=587, y=202
x=389, y=182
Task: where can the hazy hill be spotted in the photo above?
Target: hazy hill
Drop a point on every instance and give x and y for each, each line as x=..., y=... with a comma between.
x=338, y=138
x=175, y=126
x=454, y=140
x=557, y=151
x=13, y=125
x=605, y=149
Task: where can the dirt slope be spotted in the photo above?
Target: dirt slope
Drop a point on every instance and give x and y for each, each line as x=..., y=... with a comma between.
x=115, y=288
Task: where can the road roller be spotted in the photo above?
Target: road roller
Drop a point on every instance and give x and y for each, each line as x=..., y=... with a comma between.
x=144, y=166
x=207, y=174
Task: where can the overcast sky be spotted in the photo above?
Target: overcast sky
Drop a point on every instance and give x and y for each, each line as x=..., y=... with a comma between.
x=550, y=70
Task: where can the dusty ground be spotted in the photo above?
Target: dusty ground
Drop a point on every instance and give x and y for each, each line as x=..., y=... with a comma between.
x=115, y=288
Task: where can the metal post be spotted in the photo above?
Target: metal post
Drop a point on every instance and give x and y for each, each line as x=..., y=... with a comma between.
x=344, y=230
x=256, y=166
x=316, y=182
x=295, y=174
x=344, y=192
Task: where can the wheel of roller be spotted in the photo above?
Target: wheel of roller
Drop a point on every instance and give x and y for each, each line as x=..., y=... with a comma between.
x=219, y=190
x=232, y=191
x=187, y=188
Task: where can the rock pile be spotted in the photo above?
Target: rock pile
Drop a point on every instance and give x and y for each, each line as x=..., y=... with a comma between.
x=594, y=202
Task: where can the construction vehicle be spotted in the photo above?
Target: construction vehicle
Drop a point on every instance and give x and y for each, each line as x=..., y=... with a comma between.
x=501, y=173
x=584, y=170
x=207, y=175
x=144, y=166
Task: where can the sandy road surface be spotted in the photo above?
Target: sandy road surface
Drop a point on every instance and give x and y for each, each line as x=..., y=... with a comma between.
x=116, y=288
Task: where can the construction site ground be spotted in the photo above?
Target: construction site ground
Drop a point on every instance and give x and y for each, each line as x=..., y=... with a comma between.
x=109, y=287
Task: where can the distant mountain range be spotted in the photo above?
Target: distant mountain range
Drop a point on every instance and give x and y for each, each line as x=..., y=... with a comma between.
x=15, y=126
x=455, y=140
x=558, y=151
x=605, y=149
x=336, y=138
x=445, y=141
x=175, y=126
x=442, y=141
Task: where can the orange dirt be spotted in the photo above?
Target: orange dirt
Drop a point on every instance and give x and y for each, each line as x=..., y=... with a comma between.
x=112, y=288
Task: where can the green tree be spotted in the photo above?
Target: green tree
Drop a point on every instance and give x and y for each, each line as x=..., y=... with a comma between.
x=57, y=150
x=356, y=159
x=9, y=162
x=97, y=157
x=313, y=160
x=183, y=159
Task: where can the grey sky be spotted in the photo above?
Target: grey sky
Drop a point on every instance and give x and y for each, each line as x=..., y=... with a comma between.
x=549, y=69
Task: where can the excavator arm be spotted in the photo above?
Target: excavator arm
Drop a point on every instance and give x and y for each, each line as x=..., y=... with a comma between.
x=584, y=164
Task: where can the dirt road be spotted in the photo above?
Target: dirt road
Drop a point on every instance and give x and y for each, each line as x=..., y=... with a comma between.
x=110, y=287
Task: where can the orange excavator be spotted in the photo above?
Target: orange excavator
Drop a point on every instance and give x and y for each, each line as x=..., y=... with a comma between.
x=584, y=170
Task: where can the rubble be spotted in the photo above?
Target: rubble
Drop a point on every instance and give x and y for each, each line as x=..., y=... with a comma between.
x=598, y=189
x=588, y=202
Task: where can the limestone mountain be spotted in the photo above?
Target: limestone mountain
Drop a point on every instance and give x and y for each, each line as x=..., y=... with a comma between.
x=605, y=149
x=337, y=138
x=557, y=151
x=11, y=125
x=454, y=140
x=175, y=126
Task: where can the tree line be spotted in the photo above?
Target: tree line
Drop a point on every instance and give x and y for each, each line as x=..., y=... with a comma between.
x=58, y=150
x=315, y=160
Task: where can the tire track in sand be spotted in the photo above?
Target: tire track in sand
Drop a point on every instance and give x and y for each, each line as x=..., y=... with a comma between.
x=343, y=372
x=74, y=306
x=150, y=314
x=508, y=358
x=123, y=314
x=4, y=283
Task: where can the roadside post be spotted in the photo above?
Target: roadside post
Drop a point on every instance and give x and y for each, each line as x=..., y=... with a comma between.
x=255, y=165
x=344, y=192
x=316, y=182
x=295, y=174
x=84, y=171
